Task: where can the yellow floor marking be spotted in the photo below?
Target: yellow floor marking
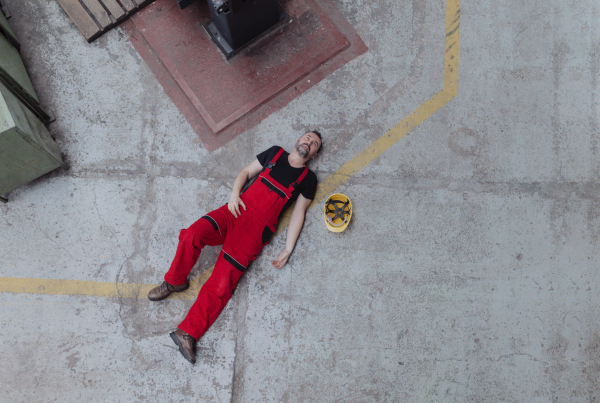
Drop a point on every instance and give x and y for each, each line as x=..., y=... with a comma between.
x=328, y=186
x=93, y=288
x=365, y=157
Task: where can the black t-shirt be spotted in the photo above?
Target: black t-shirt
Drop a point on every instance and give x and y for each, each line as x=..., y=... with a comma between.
x=285, y=175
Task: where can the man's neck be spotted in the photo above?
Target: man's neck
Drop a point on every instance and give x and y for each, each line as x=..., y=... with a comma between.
x=296, y=160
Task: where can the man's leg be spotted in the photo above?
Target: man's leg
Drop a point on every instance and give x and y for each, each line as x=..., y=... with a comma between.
x=242, y=244
x=191, y=242
x=213, y=297
x=208, y=230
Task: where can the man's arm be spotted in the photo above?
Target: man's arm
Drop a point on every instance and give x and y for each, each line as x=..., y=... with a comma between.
x=247, y=173
x=293, y=231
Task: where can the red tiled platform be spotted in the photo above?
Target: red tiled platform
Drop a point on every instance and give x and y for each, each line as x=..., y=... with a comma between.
x=222, y=99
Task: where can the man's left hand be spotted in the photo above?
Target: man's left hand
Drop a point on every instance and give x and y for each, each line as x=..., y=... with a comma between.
x=281, y=259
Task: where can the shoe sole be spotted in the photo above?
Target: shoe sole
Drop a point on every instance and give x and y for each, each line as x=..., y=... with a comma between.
x=167, y=296
x=181, y=349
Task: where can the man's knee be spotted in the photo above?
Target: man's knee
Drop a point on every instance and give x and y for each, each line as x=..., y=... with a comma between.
x=198, y=235
x=221, y=287
x=185, y=235
x=224, y=278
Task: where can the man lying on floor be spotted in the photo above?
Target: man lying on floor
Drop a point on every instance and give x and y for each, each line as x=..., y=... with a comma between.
x=243, y=226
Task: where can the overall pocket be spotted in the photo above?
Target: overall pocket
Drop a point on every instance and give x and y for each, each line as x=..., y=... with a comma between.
x=267, y=234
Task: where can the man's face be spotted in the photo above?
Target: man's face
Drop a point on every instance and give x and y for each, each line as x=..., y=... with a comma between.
x=308, y=145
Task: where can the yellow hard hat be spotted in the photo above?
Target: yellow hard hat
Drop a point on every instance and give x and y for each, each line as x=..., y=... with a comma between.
x=337, y=212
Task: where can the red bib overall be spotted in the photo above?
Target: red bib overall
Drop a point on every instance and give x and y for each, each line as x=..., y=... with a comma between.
x=242, y=239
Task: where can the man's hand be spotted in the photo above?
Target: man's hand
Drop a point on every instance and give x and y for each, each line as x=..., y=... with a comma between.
x=234, y=205
x=247, y=173
x=296, y=221
x=281, y=259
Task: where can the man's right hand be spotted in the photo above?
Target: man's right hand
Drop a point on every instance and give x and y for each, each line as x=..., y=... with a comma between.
x=234, y=205
x=247, y=173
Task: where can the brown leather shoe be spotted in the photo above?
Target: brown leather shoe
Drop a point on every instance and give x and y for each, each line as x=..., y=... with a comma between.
x=165, y=289
x=186, y=344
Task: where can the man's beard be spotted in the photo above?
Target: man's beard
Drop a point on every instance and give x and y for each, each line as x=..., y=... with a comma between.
x=302, y=151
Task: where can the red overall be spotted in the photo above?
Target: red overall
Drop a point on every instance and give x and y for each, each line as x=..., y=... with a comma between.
x=242, y=239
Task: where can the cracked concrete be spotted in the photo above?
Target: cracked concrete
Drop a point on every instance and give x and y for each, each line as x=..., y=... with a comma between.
x=468, y=272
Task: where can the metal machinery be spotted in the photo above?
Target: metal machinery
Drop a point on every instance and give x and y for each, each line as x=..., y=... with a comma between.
x=238, y=23
x=27, y=150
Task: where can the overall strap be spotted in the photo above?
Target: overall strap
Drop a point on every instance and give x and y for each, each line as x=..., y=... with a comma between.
x=271, y=164
x=295, y=184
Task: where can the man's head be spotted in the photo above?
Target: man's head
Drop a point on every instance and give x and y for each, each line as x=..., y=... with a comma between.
x=309, y=144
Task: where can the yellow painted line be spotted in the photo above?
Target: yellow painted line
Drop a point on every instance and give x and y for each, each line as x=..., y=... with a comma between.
x=93, y=288
x=365, y=157
x=328, y=186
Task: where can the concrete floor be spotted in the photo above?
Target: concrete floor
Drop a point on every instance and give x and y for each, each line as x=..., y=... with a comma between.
x=469, y=271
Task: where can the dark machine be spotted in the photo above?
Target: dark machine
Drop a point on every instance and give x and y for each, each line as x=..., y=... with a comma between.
x=237, y=23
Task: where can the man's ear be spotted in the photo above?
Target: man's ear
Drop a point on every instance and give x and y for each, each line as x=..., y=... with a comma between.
x=314, y=156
